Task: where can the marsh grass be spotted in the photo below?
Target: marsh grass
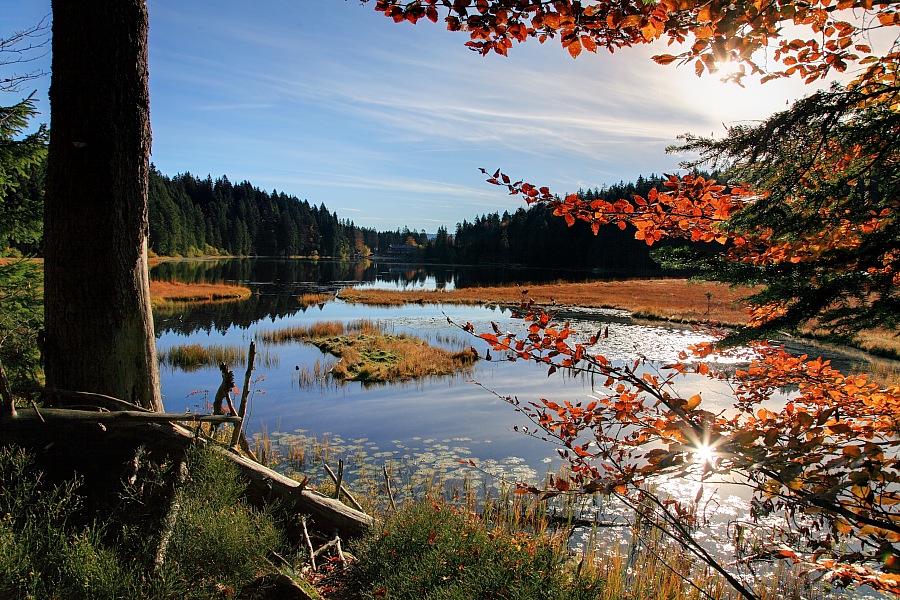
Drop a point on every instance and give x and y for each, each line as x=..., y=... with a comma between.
x=669, y=299
x=163, y=292
x=306, y=300
x=675, y=300
x=190, y=357
x=431, y=550
x=369, y=354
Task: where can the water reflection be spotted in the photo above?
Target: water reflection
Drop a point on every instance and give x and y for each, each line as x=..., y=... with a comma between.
x=431, y=424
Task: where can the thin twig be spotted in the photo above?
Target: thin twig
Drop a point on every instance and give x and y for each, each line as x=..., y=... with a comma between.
x=387, y=485
x=171, y=518
x=37, y=412
x=309, y=546
x=342, y=487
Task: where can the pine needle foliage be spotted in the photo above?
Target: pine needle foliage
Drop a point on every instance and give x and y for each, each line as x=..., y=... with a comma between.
x=825, y=173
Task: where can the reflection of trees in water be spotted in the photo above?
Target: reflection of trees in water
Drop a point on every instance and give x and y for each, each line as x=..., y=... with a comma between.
x=220, y=316
x=276, y=283
x=263, y=270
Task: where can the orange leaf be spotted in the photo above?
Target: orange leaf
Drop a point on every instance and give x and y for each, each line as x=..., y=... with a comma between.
x=574, y=48
x=664, y=59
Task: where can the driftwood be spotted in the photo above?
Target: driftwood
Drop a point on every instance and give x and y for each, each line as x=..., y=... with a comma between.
x=61, y=398
x=171, y=517
x=340, y=487
x=98, y=438
x=245, y=394
x=125, y=418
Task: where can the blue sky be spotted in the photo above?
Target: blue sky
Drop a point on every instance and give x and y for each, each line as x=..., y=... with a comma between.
x=388, y=124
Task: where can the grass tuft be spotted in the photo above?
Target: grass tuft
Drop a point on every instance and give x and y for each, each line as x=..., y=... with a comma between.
x=163, y=292
x=370, y=355
x=306, y=300
x=190, y=357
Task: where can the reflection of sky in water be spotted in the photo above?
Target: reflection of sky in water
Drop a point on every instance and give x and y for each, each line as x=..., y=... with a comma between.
x=427, y=283
x=440, y=408
x=430, y=426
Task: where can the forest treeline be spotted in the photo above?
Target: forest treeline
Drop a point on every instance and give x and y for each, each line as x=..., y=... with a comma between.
x=194, y=216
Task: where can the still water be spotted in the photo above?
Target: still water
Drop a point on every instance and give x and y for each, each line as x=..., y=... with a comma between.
x=431, y=424
x=458, y=412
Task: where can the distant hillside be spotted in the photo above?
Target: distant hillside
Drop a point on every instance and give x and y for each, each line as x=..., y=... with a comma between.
x=534, y=237
x=190, y=216
x=193, y=216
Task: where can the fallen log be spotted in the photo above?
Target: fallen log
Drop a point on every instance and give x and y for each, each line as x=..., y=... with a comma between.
x=101, y=441
x=128, y=417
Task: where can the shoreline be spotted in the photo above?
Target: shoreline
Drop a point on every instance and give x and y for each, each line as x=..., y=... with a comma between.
x=676, y=300
x=680, y=301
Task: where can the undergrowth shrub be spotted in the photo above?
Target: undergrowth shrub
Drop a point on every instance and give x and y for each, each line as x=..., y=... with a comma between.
x=430, y=551
x=218, y=540
x=41, y=554
x=51, y=548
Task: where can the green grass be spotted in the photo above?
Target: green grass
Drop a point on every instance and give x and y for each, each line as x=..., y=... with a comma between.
x=218, y=542
x=43, y=555
x=50, y=547
x=432, y=551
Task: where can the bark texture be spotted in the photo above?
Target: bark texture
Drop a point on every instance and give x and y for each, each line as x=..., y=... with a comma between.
x=98, y=325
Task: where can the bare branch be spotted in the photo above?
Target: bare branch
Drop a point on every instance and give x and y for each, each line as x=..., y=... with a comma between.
x=24, y=47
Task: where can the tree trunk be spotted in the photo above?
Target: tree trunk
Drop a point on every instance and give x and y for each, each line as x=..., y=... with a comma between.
x=98, y=326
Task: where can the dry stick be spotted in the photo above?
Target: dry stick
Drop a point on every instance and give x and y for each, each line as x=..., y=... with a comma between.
x=37, y=412
x=340, y=478
x=224, y=391
x=342, y=487
x=387, y=484
x=102, y=400
x=171, y=518
x=309, y=546
x=336, y=544
x=9, y=403
x=340, y=552
x=238, y=428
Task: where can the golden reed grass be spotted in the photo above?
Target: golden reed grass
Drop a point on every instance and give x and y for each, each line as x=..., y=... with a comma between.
x=174, y=291
x=314, y=299
x=671, y=299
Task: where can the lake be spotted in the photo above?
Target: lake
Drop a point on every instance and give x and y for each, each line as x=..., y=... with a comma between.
x=451, y=414
x=431, y=424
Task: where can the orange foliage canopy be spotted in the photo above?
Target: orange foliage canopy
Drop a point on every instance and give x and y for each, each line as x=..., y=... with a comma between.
x=830, y=453
x=708, y=33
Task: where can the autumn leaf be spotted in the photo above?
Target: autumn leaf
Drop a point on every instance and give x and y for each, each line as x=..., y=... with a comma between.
x=574, y=48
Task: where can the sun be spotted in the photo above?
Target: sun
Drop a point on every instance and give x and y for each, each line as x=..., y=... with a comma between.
x=705, y=455
x=729, y=70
